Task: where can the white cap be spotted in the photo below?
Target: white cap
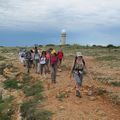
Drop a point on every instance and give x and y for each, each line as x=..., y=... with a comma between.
x=78, y=54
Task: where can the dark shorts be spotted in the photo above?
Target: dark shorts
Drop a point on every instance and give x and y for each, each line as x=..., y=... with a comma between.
x=31, y=61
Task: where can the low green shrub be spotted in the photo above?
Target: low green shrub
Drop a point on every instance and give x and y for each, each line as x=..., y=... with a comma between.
x=29, y=111
x=2, y=58
x=26, y=78
x=6, y=109
x=61, y=96
x=115, y=84
x=34, y=89
x=101, y=91
x=2, y=67
x=115, y=98
x=12, y=84
x=107, y=58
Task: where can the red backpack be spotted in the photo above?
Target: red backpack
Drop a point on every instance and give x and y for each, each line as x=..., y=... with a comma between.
x=53, y=59
x=60, y=55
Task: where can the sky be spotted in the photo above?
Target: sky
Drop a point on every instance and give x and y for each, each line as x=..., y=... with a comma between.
x=87, y=22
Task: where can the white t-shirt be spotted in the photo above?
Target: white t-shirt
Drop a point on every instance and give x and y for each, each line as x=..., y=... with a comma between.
x=42, y=60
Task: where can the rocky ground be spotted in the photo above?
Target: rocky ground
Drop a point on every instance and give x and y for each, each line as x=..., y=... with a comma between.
x=100, y=99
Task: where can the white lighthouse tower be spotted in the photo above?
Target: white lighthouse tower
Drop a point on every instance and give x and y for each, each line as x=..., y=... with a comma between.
x=63, y=37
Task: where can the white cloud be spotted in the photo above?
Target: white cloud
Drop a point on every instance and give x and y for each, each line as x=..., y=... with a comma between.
x=73, y=15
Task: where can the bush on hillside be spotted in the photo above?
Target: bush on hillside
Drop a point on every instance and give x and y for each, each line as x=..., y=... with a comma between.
x=50, y=45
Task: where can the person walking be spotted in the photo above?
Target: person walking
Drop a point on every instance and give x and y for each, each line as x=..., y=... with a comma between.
x=77, y=72
x=60, y=57
x=32, y=59
x=37, y=59
x=53, y=65
x=22, y=56
x=28, y=60
x=43, y=64
x=48, y=60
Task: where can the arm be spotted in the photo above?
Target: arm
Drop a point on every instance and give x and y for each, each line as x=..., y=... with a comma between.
x=72, y=68
x=84, y=63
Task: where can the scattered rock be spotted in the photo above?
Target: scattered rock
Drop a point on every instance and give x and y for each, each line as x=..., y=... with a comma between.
x=90, y=93
x=5, y=95
x=69, y=90
x=2, y=78
x=85, y=91
x=59, y=70
x=109, y=81
x=78, y=102
x=7, y=72
x=92, y=98
x=101, y=113
x=61, y=108
x=66, y=95
x=19, y=85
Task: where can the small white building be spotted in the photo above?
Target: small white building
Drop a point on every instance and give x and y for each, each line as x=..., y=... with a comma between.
x=63, y=37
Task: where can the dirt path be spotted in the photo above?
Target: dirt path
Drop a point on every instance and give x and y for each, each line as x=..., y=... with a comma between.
x=72, y=108
x=69, y=107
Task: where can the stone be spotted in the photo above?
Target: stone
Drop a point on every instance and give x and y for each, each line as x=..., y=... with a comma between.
x=66, y=95
x=101, y=113
x=92, y=98
x=59, y=70
x=9, y=74
x=85, y=91
x=78, y=102
x=90, y=93
x=61, y=108
x=69, y=90
x=5, y=95
x=2, y=78
x=19, y=85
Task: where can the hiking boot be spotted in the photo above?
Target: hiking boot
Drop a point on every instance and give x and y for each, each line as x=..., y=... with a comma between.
x=78, y=94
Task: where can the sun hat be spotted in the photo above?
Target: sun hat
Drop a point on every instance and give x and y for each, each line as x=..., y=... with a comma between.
x=53, y=52
x=79, y=54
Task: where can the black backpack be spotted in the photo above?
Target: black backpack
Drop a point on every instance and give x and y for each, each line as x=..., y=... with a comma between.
x=23, y=55
x=28, y=55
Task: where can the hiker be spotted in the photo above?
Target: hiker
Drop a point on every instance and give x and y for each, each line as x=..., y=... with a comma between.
x=53, y=65
x=28, y=60
x=43, y=64
x=36, y=59
x=60, y=57
x=39, y=51
x=22, y=56
x=32, y=58
x=77, y=72
x=48, y=60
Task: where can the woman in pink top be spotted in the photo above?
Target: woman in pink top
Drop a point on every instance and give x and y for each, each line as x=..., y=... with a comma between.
x=48, y=60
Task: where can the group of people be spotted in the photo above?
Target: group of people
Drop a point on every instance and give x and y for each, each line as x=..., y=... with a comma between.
x=42, y=61
x=49, y=60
